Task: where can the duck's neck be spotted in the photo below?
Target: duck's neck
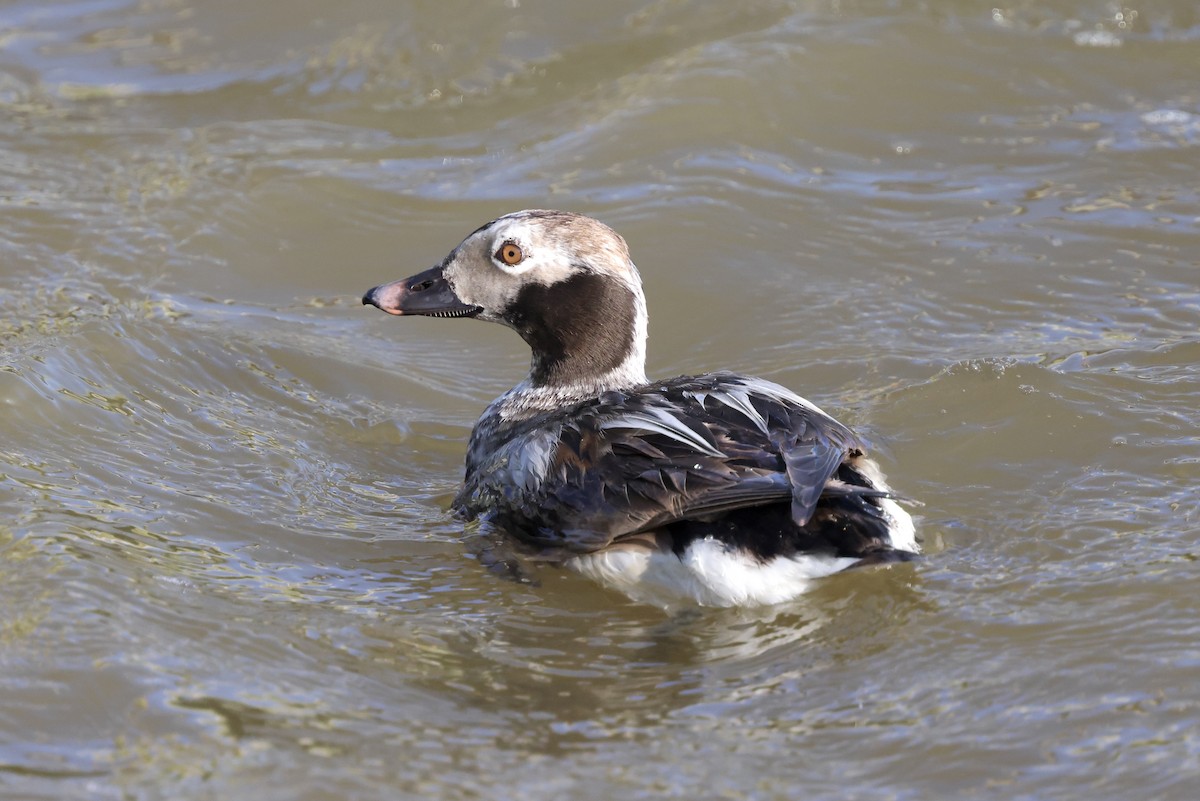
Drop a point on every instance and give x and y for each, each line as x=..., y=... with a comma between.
x=587, y=335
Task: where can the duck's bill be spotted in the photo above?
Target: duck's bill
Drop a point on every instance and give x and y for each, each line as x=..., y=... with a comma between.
x=426, y=293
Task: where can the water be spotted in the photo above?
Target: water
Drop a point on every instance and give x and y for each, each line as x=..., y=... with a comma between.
x=226, y=566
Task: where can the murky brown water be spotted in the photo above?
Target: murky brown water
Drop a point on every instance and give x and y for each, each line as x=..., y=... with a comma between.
x=226, y=567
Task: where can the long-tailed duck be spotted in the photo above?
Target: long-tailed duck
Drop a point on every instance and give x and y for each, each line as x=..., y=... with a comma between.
x=718, y=488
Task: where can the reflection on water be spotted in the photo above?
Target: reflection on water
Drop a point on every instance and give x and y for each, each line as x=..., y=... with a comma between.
x=227, y=563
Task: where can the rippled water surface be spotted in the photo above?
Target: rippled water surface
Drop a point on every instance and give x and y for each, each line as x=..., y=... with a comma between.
x=226, y=565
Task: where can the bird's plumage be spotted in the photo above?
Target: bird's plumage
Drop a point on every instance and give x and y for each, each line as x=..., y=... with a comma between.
x=578, y=479
x=705, y=484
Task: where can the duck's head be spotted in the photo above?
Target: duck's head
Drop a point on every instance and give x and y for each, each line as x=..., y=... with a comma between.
x=563, y=281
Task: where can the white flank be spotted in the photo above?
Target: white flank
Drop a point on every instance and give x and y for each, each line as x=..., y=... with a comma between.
x=902, y=531
x=709, y=574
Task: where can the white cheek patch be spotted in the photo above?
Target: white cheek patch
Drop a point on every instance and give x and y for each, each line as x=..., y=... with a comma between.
x=491, y=289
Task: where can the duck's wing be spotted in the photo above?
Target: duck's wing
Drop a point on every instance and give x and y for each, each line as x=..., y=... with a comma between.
x=687, y=449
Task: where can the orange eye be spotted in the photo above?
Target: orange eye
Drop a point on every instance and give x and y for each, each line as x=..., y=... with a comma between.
x=510, y=253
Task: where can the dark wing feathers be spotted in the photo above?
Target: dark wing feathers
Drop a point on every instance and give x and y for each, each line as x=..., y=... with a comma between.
x=682, y=449
x=809, y=466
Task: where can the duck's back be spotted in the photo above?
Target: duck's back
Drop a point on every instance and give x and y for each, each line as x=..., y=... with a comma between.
x=719, y=458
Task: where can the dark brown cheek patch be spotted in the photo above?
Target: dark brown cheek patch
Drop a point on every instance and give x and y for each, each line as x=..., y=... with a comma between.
x=576, y=328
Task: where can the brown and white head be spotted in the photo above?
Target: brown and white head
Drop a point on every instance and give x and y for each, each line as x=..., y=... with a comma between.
x=563, y=281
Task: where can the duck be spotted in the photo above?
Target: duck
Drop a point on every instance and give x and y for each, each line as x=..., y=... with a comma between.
x=716, y=490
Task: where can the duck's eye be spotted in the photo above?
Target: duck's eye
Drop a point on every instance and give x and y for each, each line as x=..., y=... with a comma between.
x=510, y=253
